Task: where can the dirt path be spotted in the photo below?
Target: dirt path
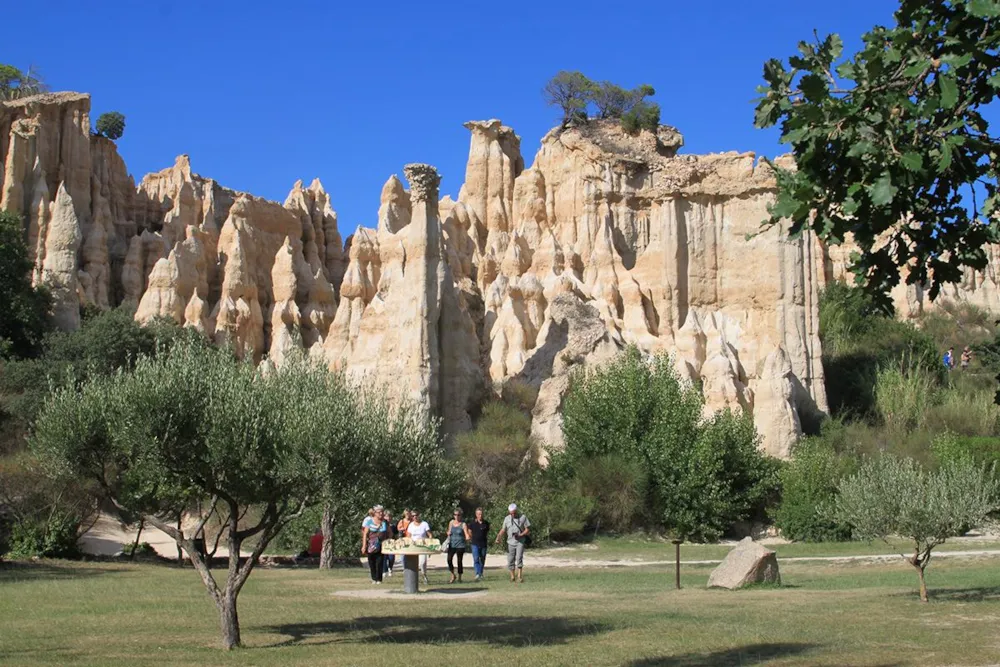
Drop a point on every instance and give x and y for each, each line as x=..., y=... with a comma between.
x=550, y=561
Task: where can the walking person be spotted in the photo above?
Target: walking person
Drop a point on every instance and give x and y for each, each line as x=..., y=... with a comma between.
x=966, y=358
x=458, y=538
x=392, y=531
x=479, y=529
x=372, y=536
x=517, y=527
x=419, y=529
x=404, y=522
x=949, y=358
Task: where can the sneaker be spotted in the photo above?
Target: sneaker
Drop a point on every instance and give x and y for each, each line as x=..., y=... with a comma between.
x=425, y=580
x=378, y=583
x=479, y=577
x=373, y=581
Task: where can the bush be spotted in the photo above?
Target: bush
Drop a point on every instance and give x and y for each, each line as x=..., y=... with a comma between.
x=44, y=516
x=643, y=116
x=704, y=475
x=808, y=486
x=858, y=341
x=618, y=488
x=111, y=125
x=497, y=452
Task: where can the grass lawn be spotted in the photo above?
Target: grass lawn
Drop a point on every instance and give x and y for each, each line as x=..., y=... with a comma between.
x=69, y=613
x=638, y=548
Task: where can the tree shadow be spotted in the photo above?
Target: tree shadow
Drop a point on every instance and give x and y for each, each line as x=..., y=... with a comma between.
x=498, y=631
x=751, y=654
x=990, y=593
x=18, y=571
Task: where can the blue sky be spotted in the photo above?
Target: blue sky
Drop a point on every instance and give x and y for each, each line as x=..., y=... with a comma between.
x=261, y=94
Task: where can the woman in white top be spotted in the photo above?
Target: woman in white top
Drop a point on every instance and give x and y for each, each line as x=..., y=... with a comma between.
x=419, y=529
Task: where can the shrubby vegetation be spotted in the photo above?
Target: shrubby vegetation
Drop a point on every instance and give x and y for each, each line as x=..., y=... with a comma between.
x=892, y=496
x=111, y=125
x=24, y=316
x=698, y=476
x=576, y=95
x=15, y=83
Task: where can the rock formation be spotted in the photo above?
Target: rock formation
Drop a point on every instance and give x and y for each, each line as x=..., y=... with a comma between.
x=607, y=240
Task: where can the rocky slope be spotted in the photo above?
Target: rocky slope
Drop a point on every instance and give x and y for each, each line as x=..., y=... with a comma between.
x=607, y=240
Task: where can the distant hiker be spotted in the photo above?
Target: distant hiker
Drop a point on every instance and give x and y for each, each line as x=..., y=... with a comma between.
x=458, y=538
x=373, y=534
x=949, y=358
x=518, y=528
x=966, y=358
x=390, y=534
x=417, y=530
x=479, y=529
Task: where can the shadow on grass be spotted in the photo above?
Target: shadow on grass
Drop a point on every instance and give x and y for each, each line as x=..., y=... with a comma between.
x=741, y=655
x=17, y=571
x=991, y=593
x=498, y=631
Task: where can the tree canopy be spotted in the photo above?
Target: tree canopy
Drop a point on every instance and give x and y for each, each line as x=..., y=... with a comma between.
x=24, y=316
x=111, y=125
x=575, y=94
x=199, y=425
x=703, y=474
x=891, y=144
x=15, y=83
x=895, y=496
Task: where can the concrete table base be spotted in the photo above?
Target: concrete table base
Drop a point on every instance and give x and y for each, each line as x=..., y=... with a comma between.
x=411, y=573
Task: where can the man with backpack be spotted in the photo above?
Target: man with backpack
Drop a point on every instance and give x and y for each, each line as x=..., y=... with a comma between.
x=518, y=530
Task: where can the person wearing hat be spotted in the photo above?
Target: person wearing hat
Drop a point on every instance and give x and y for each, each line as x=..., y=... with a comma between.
x=517, y=527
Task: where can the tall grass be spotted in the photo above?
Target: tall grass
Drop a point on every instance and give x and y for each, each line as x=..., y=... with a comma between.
x=903, y=396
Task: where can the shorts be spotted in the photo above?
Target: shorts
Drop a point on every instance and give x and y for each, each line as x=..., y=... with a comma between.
x=515, y=556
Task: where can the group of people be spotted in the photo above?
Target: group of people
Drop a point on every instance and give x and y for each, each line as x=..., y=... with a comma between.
x=949, y=358
x=459, y=536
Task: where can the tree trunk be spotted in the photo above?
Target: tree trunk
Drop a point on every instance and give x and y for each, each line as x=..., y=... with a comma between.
x=180, y=552
x=326, y=551
x=230, y=621
x=923, y=584
x=135, y=545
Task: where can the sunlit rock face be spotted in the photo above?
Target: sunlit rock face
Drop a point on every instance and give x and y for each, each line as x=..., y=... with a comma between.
x=607, y=240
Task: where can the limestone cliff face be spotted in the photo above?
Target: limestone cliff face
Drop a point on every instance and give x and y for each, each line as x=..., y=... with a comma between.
x=653, y=247
x=607, y=240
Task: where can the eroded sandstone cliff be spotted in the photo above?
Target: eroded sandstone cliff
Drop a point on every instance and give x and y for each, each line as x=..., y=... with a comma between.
x=607, y=240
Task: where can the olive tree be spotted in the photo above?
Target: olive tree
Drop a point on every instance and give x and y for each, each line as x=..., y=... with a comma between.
x=891, y=496
x=199, y=425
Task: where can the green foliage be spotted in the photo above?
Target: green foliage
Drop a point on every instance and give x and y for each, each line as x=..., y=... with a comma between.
x=570, y=91
x=858, y=341
x=643, y=116
x=15, y=83
x=494, y=454
x=24, y=317
x=808, y=486
x=574, y=93
x=704, y=475
x=949, y=448
x=104, y=343
x=889, y=141
x=618, y=488
x=43, y=516
x=903, y=396
x=889, y=496
x=111, y=125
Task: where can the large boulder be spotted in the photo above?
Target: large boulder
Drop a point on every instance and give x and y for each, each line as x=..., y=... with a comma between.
x=748, y=563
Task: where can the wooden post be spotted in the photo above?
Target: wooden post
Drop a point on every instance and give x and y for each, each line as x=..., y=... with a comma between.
x=677, y=563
